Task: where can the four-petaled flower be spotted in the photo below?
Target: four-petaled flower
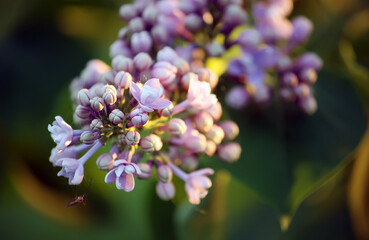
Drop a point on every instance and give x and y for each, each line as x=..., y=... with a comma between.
x=72, y=169
x=122, y=175
x=149, y=97
x=197, y=185
x=61, y=132
x=199, y=94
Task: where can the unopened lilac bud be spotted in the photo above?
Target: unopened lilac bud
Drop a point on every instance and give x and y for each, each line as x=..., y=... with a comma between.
x=309, y=60
x=135, y=112
x=110, y=88
x=308, y=75
x=193, y=22
x=237, y=97
x=107, y=77
x=187, y=6
x=216, y=134
x=116, y=116
x=120, y=47
x=214, y=49
x=195, y=142
x=203, y=121
x=151, y=143
x=141, y=42
x=123, y=79
x=167, y=54
x=267, y=56
x=182, y=66
x=105, y=161
x=206, y=75
x=302, y=28
x=81, y=121
x=123, y=33
x=142, y=61
x=234, y=15
x=189, y=162
x=211, y=148
x=308, y=105
x=87, y=137
x=159, y=34
x=110, y=98
x=136, y=25
x=140, y=119
x=146, y=171
x=165, y=191
x=185, y=80
x=127, y=12
x=83, y=97
x=96, y=125
x=229, y=152
x=177, y=127
x=302, y=90
x=121, y=139
x=167, y=112
x=97, y=103
x=121, y=63
x=165, y=72
x=230, y=128
x=93, y=70
x=96, y=90
x=132, y=138
x=83, y=112
x=215, y=111
x=249, y=39
x=149, y=15
x=164, y=173
x=290, y=79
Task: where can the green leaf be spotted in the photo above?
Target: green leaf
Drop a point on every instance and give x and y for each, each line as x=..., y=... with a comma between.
x=286, y=155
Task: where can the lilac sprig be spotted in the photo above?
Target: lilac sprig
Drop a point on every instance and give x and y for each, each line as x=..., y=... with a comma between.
x=146, y=109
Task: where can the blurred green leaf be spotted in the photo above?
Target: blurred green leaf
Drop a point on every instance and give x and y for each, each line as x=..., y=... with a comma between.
x=233, y=211
x=359, y=75
x=287, y=155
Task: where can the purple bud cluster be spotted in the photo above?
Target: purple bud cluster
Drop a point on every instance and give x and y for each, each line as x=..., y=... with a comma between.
x=268, y=64
x=155, y=112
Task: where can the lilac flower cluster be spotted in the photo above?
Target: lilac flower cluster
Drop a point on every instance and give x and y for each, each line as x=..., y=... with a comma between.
x=154, y=114
x=267, y=51
x=267, y=65
x=155, y=106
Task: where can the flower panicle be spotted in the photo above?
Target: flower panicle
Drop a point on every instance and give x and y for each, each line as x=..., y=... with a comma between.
x=155, y=116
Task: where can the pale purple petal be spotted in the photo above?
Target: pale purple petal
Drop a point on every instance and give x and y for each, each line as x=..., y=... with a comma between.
x=155, y=83
x=205, y=171
x=148, y=95
x=78, y=176
x=119, y=162
x=200, y=182
x=125, y=182
x=135, y=91
x=146, y=108
x=119, y=171
x=110, y=176
x=193, y=196
x=137, y=169
x=160, y=103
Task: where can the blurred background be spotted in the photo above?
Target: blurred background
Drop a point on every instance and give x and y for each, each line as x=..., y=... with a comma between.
x=312, y=183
